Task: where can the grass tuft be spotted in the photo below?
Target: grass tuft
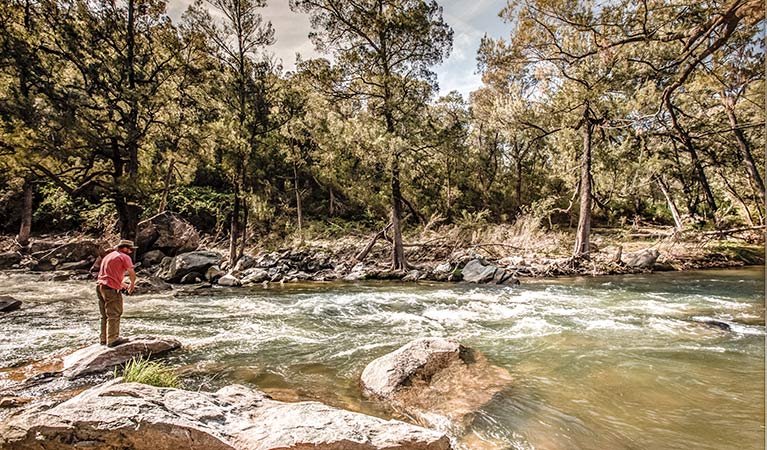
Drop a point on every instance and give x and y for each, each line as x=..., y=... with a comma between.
x=148, y=372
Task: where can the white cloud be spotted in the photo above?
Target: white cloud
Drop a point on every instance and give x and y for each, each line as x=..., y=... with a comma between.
x=470, y=20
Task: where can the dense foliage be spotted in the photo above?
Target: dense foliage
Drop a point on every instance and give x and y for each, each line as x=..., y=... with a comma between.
x=613, y=112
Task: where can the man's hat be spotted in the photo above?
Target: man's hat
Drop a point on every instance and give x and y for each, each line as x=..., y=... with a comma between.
x=125, y=243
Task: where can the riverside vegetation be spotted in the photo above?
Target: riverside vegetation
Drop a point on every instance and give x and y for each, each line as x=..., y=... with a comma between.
x=614, y=117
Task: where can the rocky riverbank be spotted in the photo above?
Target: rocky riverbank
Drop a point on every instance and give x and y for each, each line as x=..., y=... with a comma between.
x=171, y=251
x=437, y=383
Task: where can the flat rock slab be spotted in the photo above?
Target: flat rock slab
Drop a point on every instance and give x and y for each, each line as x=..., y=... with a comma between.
x=140, y=417
x=99, y=358
x=8, y=304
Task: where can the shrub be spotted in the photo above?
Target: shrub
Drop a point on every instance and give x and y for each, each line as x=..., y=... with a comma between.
x=147, y=372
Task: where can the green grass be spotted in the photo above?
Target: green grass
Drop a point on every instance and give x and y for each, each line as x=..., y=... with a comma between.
x=147, y=372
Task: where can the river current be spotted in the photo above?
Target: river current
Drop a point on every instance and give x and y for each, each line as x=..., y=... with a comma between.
x=621, y=362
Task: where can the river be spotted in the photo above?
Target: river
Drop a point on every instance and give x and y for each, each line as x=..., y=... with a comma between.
x=620, y=362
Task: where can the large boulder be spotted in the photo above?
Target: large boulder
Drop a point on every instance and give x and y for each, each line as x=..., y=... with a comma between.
x=642, y=259
x=140, y=417
x=420, y=359
x=99, y=358
x=438, y=382
x=476, y=271
x=173, y=269
x=168, y=233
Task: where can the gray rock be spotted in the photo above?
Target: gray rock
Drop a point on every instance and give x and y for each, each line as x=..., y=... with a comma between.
x=152, y=258
x=8, y=303
x=642, y=259
x=358, y=272
x=151, y=285
x=419, y=359
x=254, y=275
x=140, y=417
x=413, y=275
x=99, y=358
x=443, y=268
x=475, y=271
x=192, y=278
x=229, y=280
x=175, y=269
x=244, y=263
x=268, y=260
x=9, y=259
x=214, y=273
x=436, y=382
x=84, y=264
x=168, y=233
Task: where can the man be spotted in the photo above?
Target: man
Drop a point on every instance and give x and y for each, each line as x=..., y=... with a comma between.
x=108, y=288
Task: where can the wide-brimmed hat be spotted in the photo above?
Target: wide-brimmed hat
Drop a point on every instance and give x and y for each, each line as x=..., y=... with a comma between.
x=125, y=243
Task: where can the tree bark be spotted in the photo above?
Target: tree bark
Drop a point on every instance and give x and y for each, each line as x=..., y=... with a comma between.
x=398, y=251
x=244, y=228
x=234, y=230
x=166, y=188
x=298, y=204
x=744, y=147
x=26, y=214
x=581, y=248
x=671, y=205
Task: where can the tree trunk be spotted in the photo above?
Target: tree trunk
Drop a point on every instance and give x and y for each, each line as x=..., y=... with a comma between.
x=398, y=251
x=298, y=204
x=671, y=205
x=584, y=220
x=744, y=147
x=26, y=214
x=690, y=147
x=518, y=206
x=234, y=230
x=166, y=188
x=332, y=208
x=244, y=228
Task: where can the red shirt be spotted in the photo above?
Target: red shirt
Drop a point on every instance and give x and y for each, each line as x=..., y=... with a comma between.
x=112, y=270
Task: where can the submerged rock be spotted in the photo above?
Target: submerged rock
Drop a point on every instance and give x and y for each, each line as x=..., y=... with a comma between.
x=438, y=382
x=420, y=359
x=8, y=303
x=99, y=358
x=136, y=416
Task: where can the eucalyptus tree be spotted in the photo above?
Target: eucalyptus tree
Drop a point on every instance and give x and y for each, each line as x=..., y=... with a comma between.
x=572, y=47
x=383, y=51
x=20, y=116
x=103, y=82
x=238, y=36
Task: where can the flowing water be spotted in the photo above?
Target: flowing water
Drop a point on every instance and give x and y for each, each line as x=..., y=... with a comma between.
x=601, y=363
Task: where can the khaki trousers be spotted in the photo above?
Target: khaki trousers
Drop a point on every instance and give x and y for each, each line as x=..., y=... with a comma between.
x=111, y=308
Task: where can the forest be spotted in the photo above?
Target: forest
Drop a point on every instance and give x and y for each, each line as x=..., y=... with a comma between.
x=591, y=114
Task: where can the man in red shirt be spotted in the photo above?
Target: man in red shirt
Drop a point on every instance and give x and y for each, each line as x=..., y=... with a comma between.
x=108, y=287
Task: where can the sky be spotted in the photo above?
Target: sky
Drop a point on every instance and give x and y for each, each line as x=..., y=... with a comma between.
x=470, y=20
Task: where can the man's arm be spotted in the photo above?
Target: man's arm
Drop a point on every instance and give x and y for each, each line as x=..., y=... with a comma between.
x=132, y=276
